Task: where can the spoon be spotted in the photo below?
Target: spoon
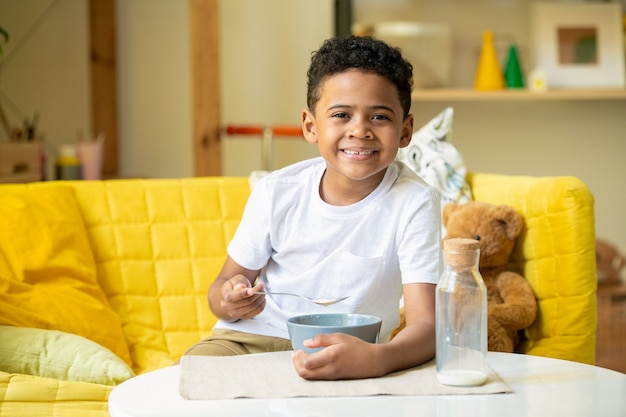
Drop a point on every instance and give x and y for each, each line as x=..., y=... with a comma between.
x=321, y=301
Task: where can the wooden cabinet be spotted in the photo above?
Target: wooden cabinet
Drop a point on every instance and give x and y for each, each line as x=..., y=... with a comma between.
x=611, y=333
x=20, y=162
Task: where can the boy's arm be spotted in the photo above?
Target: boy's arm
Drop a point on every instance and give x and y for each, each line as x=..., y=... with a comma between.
x=232, y=295
x=414, y=344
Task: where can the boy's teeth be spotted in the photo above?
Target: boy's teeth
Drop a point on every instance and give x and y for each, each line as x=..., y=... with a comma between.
x=357, y=152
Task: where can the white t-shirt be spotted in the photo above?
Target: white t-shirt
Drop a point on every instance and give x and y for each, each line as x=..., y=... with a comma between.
x=366, y=250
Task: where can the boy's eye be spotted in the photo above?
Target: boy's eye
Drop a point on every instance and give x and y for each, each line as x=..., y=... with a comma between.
x=341, y=115
x=380, y=117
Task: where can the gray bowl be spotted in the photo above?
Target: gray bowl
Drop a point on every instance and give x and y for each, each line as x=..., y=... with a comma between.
x=305, y=327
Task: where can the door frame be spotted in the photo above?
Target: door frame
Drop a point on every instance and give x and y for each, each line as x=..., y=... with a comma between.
x=205, y=83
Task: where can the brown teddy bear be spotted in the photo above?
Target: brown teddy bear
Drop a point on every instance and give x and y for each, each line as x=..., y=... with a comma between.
x=511, y=301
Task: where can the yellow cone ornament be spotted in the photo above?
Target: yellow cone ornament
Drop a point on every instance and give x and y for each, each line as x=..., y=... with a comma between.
x=489, y=73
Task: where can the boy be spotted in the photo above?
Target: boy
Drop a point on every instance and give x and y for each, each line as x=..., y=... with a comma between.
x=353, y=222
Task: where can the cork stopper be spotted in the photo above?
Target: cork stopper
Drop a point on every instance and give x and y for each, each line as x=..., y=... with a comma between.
x=461, y=252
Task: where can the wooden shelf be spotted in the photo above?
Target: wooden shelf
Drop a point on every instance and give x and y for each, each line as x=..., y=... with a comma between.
x=468, y=94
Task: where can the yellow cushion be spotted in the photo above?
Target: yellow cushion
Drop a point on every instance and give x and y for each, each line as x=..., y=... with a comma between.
x=47, y=270
x=556, y=255
x=27, y=395
x=158, y=245
x=60, y=355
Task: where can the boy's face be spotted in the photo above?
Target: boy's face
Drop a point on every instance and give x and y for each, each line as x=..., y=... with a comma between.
x=358, y=126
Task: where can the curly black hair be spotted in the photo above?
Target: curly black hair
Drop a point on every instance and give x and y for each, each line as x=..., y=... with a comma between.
x=363, y=53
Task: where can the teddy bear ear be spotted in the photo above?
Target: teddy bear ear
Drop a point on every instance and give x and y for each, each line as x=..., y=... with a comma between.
x=514, y=221
x=447, y=211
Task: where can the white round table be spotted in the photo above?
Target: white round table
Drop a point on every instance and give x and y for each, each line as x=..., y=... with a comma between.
x=542, y=387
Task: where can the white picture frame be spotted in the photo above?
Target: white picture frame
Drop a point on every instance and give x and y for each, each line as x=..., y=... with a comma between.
x=579, y=45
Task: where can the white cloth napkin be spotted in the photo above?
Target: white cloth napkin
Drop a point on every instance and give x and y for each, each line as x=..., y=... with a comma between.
x=272, y=375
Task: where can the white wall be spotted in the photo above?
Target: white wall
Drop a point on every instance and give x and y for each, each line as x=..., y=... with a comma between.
x=154, y=88
x=266, y=47
x=265, y=52
x=584, y=138
x=45, y=68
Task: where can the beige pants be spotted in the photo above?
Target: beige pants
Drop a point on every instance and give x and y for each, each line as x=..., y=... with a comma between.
x=230, y=343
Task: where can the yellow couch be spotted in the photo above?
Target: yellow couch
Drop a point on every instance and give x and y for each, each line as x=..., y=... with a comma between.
x=121, y=268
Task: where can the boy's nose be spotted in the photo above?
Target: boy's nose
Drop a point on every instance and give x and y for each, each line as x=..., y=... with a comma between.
x=360, y=129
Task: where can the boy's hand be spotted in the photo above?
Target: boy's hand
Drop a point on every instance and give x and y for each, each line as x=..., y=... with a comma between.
x=238, y=299
x=231, y=295
x=343, y=357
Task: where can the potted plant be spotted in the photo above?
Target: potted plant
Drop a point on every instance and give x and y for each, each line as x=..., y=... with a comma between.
x=4, y=37
x=3, y=34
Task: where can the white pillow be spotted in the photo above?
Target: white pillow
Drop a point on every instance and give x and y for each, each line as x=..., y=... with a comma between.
x=436, y=160
x=255, y=176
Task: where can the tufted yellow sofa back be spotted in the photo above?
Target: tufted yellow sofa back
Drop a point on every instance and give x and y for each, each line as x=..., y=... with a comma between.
x=158, y=245
x=556, y=255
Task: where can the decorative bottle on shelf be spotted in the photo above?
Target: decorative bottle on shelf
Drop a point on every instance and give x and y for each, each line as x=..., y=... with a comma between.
x=461, y=317
x=513, y=69
x=537, y=81
x=488, y=73
x=68, y=164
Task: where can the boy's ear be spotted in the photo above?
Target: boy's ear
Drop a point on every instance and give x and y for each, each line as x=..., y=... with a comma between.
x=309, y=129
x=407, y=131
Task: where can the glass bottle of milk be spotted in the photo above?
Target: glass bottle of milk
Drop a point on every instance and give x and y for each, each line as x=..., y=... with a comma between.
x=461, y=317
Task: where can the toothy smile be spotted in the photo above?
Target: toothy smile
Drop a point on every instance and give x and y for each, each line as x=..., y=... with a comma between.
x=349, y=152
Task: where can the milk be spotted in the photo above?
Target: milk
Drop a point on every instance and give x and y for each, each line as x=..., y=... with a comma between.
x=461, y=378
